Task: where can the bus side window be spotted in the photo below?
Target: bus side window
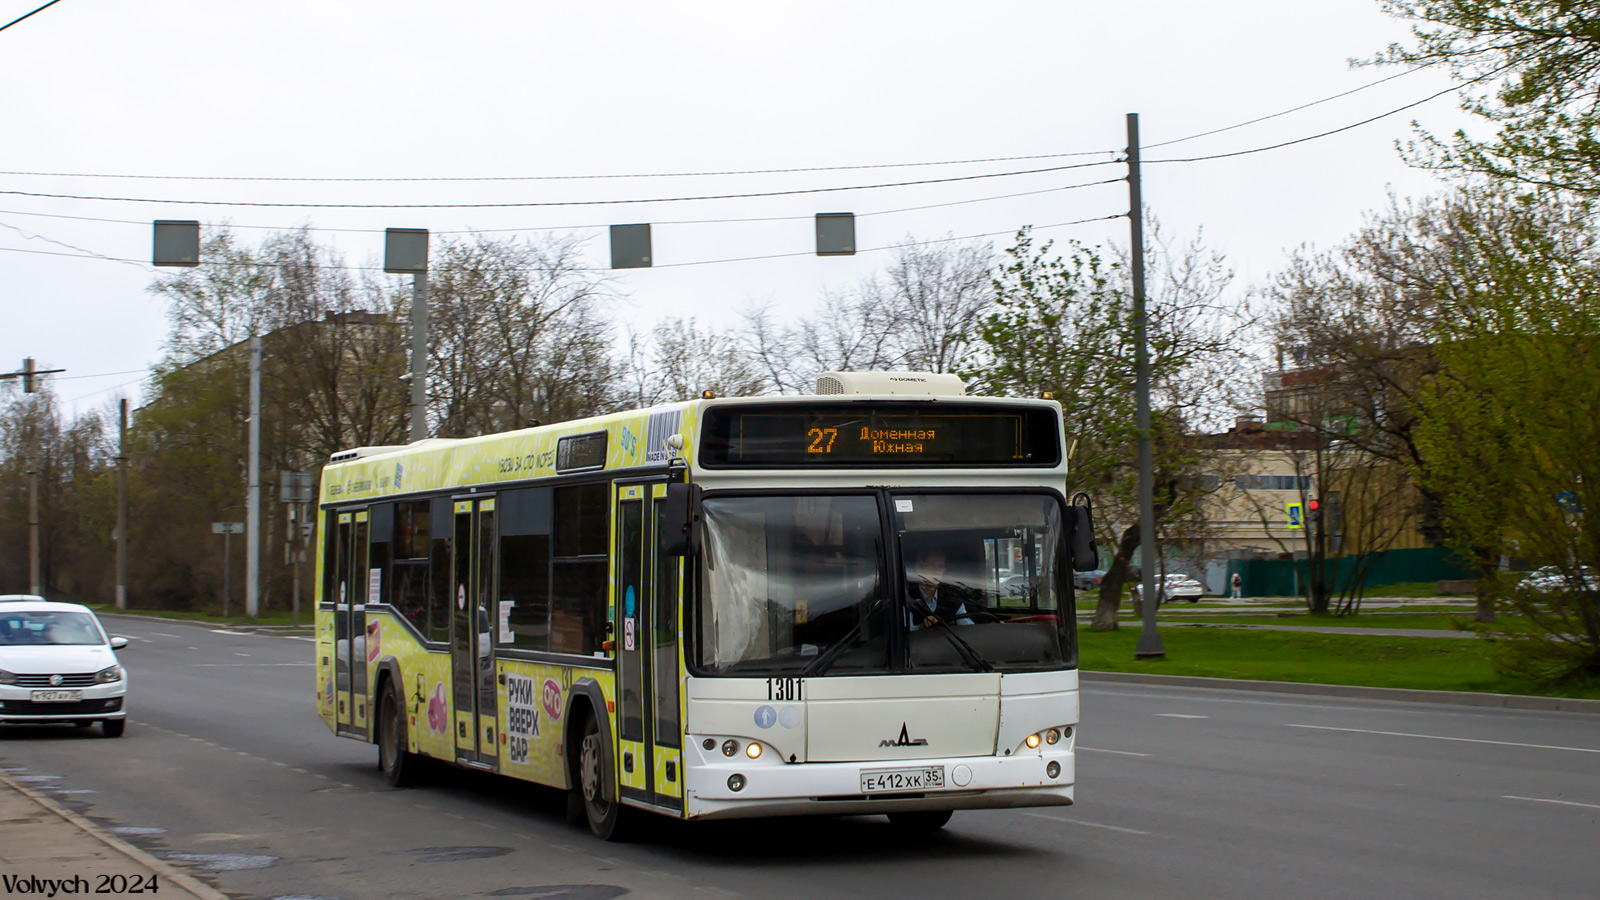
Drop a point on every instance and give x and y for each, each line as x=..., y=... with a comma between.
x=441, y=517
x=525, y=565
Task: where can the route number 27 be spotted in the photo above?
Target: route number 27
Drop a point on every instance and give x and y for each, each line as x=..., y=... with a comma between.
x=822, y=440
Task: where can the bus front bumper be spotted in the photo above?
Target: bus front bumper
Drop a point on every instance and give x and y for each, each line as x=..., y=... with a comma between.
x=775, y=788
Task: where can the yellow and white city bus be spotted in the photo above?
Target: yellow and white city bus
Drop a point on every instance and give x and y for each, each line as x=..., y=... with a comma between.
x=854, y=602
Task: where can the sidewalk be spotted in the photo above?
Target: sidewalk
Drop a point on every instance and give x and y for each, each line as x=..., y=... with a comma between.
x=40, y=841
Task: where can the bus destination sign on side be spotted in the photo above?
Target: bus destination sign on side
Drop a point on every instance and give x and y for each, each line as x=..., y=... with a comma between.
x=840, y=435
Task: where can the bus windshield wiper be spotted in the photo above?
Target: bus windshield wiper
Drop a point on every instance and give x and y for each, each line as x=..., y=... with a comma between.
x=964, y=649
x=822, y=662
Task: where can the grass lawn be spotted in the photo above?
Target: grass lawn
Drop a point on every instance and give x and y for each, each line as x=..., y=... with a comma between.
x=273, y=617
x=1440, y=664
x=1420, y=620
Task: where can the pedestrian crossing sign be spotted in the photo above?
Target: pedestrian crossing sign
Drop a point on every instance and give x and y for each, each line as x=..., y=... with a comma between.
x=1297, y=515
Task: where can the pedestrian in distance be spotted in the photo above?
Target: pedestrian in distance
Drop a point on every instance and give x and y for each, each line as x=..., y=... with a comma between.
x=1238, y=586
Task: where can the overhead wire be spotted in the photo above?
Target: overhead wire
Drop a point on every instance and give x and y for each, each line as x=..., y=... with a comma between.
x=145, y=223
x=29, y=15
x=701, y=262
x=445, y=179
x=557, y=203
x=1280, y=113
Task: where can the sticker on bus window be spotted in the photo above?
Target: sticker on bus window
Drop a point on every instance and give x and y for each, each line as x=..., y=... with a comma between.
x=522, y=716
x=506, y=636
x=374, y=586
x=627, y=634
x=902, y=506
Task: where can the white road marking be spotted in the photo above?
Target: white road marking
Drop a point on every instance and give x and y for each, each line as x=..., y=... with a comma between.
x=226, y=631
x=1117, y=752
x=296, y=637
x=1180, y=716
x=247, y=665
x=241, y=654
x=1088, y=824
x=1543, y=800
x=1440, y=737
x=164, y=634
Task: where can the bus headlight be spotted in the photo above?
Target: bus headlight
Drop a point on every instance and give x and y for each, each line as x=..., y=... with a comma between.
x=753, y=750
x=1032, y=741
x=736, y=782
x=1052, y=736
x=730, y=747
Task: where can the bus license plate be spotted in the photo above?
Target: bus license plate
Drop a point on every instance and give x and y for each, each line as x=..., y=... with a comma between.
x=56, y=696
x=878, y=781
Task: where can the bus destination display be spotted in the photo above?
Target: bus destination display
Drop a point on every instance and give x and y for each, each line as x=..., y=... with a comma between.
x=894, y=435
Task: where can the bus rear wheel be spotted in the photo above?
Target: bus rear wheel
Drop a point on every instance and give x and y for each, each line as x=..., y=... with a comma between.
x=596, y=783
x=399, y=766
x=920, y=821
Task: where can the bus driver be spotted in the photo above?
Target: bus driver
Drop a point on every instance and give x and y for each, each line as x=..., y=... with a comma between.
x=931, y=597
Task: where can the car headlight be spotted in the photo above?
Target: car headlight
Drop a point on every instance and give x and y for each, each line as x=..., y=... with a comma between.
x=7, y=677
x=108, y=675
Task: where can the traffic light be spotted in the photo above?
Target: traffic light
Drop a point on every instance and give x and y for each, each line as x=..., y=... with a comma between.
x=1313, y=505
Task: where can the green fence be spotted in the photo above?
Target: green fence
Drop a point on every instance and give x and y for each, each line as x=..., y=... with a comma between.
x=1277, y=577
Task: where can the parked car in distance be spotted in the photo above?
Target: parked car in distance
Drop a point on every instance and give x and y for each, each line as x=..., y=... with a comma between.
x=59, y=667
x=1088, y=581
x=1173, y=586
x=1550, y=579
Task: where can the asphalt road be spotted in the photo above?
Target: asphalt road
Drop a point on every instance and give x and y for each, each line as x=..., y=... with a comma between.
x=1181, y=793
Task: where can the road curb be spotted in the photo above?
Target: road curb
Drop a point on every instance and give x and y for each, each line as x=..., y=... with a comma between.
x=159, y=866
x=307, y=628
x=1455, y=698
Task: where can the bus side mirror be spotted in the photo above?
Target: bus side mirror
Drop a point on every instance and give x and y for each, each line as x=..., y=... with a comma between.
x=677, y=518
x=1085, y=556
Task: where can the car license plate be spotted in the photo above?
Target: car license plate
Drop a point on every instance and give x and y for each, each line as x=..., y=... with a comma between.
x=56, y=696
x=878, y=781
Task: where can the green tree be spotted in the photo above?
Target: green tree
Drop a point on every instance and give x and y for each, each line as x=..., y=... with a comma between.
x=1064, y=324
x=1511, y=423
x=1538, y=64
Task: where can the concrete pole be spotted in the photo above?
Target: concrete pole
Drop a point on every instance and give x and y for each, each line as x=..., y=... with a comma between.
x=35, y=583
x=1150, y=644
x=122, y=507
x=252, y=555
x=227, y=555
x=419, y=356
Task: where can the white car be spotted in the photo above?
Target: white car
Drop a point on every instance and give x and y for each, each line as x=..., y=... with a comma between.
x=1173, y=586
x=58, y=666
x=1550, y=579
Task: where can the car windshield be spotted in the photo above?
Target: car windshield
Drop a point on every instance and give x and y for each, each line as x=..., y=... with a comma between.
x=45, y=628
x=796, y=584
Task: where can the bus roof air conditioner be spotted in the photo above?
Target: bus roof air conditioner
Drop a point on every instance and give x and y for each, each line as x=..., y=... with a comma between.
x=919, y=384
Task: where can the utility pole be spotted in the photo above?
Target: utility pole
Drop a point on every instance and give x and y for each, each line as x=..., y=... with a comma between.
x=252, y=554
x=122, y=507
x=419, y=356
x=405, y=252
x=1150, y=645
x=34, y=585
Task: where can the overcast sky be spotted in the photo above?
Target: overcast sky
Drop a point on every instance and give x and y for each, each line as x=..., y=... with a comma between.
x=472, y=88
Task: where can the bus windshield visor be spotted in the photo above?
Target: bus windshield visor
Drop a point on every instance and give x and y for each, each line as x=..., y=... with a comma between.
x=984, y=581
x=791, y=584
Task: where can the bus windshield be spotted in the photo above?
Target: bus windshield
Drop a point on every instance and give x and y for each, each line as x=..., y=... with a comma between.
x=796, y=584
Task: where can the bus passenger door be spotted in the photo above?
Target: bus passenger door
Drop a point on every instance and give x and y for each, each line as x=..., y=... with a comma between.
x=642, y=775
x=474, y=575
x=350, y=615
x=667, y=725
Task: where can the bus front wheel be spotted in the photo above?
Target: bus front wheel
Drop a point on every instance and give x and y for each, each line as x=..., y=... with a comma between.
x=920, y=821
x=596, y=783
